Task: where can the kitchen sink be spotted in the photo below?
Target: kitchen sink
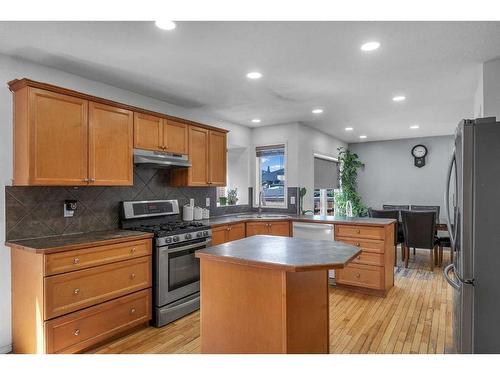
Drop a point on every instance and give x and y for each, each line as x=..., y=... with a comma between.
x=263, y=216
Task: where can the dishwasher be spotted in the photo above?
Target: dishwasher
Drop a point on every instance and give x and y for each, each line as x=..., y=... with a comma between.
x=315, y=231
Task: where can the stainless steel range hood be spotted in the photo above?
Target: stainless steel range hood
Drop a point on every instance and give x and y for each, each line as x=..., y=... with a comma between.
x=157, y=159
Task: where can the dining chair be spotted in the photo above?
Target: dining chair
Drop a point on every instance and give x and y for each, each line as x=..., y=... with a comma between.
x=398, y=230
x=398, y=207
x=419, y=232
x=443, y=240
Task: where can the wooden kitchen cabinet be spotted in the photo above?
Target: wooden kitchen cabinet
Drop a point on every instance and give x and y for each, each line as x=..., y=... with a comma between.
x=50, y=138
x=64, y=301
x=159, y=134
x=273, y=228
x=110, y=145
x=207, y=154
x=226, y=233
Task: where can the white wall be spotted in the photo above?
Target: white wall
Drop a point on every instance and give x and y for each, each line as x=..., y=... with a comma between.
x=14, y=68
x=491, y=88
x=390, y=177
x=301, y=142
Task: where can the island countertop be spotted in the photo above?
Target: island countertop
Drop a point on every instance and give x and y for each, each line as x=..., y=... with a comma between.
x=285, y=253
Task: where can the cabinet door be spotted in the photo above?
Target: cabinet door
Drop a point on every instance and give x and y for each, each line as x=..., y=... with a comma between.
x=148, y=132
x=110, y=145
x=175, y=137
x=279, y=228
x=198, y=156
x=217, y=158
x=236, y=232
x=58, y=139
x=255, y=228
x=219, y=235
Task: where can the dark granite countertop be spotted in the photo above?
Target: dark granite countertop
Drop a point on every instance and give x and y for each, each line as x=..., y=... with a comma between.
x=232, y=219
x=285, y=253
x=53, y=244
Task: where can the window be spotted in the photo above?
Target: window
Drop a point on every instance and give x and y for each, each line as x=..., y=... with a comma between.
x=271, y=176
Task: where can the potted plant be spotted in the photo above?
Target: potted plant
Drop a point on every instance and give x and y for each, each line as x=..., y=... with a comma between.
x=222, y=201
x=232, y=196
x=349, y=167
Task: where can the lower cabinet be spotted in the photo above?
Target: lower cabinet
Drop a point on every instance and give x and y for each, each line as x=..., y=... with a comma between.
x=227, y=233
x=373, y=270
x=67, y=301
x=273, y=228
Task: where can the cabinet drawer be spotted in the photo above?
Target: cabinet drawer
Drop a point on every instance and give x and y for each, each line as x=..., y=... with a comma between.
x=374, y=259
x=236, y=232
x=359, y=231
x=361, y=275
x=367, y=245
x=72, y=291
x=77, y=331
x=95, y=256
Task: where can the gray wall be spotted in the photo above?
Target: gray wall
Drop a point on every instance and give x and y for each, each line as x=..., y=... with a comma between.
x=389, y=176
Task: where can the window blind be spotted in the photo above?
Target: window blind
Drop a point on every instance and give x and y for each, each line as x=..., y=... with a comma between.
x=270, y=150
x=326, y=174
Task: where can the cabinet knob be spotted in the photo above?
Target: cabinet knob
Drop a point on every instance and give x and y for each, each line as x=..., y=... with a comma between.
x=132, y=276
x=132, y=250
x=92, y=180
x=77, y=332
x=358, y=275
x=358, y=257
x=357, y=243
x=85, y=180
x=76, y=291
x=76, y=261
x=132, y=310
x=227, y=228
x=358, y=231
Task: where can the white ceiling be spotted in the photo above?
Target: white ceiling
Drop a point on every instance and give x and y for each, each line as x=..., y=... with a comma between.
x=305, y=65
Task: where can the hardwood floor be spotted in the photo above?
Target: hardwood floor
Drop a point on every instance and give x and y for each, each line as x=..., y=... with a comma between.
x=415, y=317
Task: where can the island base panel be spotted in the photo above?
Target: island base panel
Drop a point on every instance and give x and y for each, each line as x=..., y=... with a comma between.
x=248, y=309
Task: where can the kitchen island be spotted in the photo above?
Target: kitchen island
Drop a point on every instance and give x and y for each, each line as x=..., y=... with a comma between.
x=268, y=294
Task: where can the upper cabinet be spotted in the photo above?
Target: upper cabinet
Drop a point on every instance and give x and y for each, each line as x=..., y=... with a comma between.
x=207, y=154
x=110, y=145
x=64, y=137
x=159, y=134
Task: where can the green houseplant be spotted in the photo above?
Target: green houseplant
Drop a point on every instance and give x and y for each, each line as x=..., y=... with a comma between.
x=232, y=196
x=349, y=167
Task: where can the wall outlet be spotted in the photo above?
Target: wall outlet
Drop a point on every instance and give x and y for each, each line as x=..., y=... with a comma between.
x=292, y=200
x=69, y=207
x=207, y=202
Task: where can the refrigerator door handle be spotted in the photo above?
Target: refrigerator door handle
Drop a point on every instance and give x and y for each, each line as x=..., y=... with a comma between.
x=447, y=199
x=446, y=273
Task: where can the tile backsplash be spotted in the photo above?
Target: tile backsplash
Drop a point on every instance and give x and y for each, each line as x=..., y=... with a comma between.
x=38, y=211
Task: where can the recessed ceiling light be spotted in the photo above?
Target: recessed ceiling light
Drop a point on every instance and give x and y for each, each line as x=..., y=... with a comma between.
x=254, y=75
x=399, y=98
x=317, y=111
x=370, y=46
x=165, y=25
x=362, y=136
x=414, y=127
x=256, y=120
x=349, y=129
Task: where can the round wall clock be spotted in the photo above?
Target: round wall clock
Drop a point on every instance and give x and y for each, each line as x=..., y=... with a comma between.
x=419, y=153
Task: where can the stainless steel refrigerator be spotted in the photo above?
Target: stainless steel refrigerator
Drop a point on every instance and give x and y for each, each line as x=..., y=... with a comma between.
x=472, y=205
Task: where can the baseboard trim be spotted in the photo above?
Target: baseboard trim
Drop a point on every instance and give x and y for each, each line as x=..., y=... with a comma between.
x=5, y=349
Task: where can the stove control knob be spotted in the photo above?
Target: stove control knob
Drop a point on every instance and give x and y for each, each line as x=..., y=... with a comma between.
x=199, y=234
x=205, y=232
x=176, y=238
x=168, y=240
x=188, y=236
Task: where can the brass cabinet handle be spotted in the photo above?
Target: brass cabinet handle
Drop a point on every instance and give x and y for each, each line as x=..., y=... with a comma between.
x=76, y=291
x=92, y=180
x=132, y=276
x=132, y=310
x=85, y=180
x=77, y=332
x=76, y=261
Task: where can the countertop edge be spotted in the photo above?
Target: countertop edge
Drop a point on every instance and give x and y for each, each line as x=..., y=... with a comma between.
x=291, y=219
x=82, y=245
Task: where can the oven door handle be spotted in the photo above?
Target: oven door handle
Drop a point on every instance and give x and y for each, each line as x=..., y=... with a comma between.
x=208, y=242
